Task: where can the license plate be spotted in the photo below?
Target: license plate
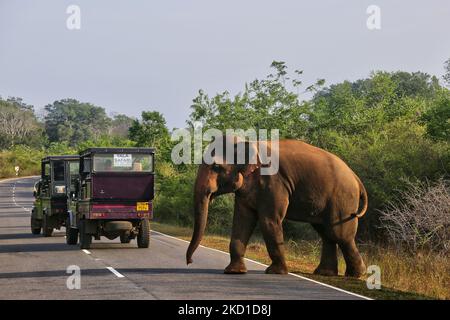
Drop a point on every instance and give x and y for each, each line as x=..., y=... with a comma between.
x=142, y=206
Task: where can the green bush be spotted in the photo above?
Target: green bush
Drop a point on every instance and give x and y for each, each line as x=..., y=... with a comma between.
x=174, y=194
x=27, y=158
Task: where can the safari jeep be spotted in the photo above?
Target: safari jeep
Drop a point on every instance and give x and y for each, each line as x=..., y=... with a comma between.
x=113, y=197
x=58, y=174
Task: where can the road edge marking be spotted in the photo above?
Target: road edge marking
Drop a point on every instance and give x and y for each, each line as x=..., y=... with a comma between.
x=262, y=264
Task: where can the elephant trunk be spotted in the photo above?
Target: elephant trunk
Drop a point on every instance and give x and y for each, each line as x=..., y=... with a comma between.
x=201, y=216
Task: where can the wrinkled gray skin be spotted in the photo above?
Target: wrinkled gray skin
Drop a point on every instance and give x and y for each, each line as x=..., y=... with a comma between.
x=312, y=185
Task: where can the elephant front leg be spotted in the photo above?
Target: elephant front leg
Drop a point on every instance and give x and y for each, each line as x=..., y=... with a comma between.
x=244, y=222
x=273, y=236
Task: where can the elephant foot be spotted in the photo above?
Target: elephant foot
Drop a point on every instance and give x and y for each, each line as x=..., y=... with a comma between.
x=235, y=268
x=277, y=269
x=324, y=271
x=355, y=272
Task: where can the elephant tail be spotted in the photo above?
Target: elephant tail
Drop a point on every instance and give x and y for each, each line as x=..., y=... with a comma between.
x=363, y=197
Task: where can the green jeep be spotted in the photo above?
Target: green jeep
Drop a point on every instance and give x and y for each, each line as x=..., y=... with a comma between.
x=58, y=178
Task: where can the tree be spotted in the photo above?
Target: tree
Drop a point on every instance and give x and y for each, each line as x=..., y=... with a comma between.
x=18, y=124
x=437, y=118
x=17, y=101
x=72, y=121
x=106, y=141
x=447, y=72
x=270, y=103
x=354, y=108
x=151, y=131
x=120, y=125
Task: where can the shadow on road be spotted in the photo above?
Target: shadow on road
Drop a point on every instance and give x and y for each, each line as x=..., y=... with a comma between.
x=52, y=273
x=36, y=247
x=103, y=271
x=17, y=236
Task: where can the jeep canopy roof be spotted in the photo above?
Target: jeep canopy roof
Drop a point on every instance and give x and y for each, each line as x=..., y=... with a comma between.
x=89, y=151
x=69, y=157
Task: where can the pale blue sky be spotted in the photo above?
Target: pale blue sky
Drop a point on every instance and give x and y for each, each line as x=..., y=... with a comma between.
x=131, y=56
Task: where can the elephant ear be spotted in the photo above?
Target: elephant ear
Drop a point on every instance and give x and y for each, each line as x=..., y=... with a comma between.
x=246, y=157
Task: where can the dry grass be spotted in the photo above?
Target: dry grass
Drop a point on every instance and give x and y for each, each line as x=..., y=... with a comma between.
x=421, y=219
x=423, y=276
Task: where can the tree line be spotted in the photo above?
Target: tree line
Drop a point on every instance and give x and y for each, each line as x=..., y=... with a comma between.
x=392, y=128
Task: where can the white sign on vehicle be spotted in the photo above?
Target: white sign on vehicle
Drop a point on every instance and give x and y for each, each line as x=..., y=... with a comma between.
x=123, y=160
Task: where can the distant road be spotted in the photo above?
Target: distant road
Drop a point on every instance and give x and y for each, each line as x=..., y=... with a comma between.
x=34, y=267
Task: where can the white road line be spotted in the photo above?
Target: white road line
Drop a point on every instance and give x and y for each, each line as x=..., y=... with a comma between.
x=119, y=275
x=86, y=251
x=14, y=195
x=262, y=264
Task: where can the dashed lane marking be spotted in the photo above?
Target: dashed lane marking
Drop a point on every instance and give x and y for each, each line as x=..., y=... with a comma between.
x=14, y=198
x=118, y=274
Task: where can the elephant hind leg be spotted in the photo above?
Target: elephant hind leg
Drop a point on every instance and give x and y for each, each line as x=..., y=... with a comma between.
x=328, y=261
x=343, y=230
x=355, y=266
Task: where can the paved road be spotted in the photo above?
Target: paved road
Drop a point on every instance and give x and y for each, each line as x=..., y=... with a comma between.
x=34, y=267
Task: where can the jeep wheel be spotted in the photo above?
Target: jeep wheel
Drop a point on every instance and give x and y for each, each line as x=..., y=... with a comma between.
x=85, y=239
x=34, y=228
x=143, y=237
x=46, y=231
x=71, y=234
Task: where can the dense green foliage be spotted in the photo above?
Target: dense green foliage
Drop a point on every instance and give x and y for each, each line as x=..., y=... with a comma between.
x=74, y=122
x=390, y=128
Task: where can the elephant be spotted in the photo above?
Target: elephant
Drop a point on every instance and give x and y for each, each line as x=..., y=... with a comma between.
x=311, y=185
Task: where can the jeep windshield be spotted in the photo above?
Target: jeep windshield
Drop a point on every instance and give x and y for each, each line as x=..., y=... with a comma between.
x=123, y=162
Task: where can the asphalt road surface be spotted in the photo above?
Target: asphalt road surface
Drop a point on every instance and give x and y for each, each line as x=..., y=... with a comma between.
x=34, y=267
